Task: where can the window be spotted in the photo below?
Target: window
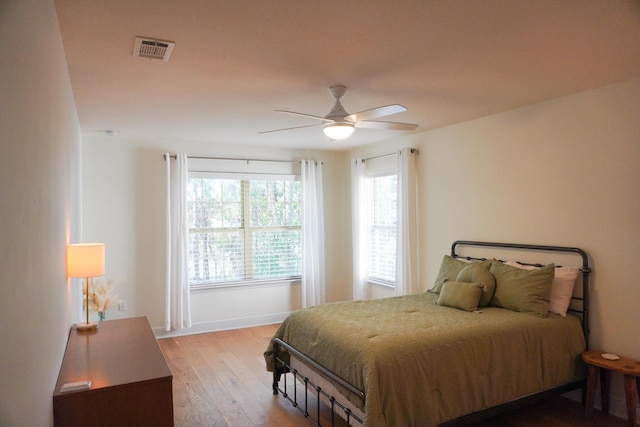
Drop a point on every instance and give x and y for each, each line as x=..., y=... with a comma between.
x=243, y=230
x=382, y=228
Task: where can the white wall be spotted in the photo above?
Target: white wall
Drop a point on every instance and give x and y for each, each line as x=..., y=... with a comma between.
x=564, y=172
x=39, y=147
x=123, y=205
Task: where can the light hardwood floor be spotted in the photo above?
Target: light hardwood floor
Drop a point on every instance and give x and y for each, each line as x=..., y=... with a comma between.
x=219, y=379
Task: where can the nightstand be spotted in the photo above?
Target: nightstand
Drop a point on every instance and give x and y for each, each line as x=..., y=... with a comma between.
x=599, y=366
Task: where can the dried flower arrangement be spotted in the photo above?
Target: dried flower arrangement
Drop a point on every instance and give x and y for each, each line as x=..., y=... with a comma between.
x=101, y=295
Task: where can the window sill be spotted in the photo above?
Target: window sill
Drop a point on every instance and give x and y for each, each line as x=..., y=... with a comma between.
x=382, y=283
x=245, y=284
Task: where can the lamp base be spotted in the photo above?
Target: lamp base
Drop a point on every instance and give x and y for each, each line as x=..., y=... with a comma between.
x=86, y=326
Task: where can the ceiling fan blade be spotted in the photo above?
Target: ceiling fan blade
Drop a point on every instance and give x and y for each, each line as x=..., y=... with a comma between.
x=376, y=112
x=311, y=116
x=386, y=125
x=296, y=127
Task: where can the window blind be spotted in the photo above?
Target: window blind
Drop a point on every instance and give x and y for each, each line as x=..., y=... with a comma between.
x=382, y=228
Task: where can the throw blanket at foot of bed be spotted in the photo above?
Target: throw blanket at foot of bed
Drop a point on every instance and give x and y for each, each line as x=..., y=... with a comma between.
x=420, y=364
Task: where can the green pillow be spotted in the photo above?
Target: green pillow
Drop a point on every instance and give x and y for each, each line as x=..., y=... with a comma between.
x=462, y=295
x=478, y=272
x=527, y=291
x=449, y=269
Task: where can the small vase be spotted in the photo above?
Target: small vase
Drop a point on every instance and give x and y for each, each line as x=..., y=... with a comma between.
x=102, y=316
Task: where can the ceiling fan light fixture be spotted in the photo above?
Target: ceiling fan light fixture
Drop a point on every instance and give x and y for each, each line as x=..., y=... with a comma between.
x=339, y=124
x=338, y=130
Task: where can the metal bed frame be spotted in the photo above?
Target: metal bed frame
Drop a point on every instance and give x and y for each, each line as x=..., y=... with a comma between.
x=282, y=368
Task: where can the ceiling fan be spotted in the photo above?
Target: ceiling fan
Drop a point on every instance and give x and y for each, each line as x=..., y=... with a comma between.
x=339, y=124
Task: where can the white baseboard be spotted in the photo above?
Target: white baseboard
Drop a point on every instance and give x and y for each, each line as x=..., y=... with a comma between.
x=223, y=325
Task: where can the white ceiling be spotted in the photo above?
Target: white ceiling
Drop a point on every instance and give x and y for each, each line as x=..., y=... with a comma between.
x=235, y=61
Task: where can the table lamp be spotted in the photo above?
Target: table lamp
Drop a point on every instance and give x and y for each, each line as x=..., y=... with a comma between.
x=85, y=260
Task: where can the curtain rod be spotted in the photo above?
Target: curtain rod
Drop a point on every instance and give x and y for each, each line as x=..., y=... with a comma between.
x=413, y=150
x=174, y=156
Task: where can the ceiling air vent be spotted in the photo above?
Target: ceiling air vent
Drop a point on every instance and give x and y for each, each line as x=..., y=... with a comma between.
x=153, y=49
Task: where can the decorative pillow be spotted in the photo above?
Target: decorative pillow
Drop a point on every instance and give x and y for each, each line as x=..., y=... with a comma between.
x=562, y=286
x=462, y=295
x=478, y=272
x=564, y=280
x=449, y=269
x=522, y=290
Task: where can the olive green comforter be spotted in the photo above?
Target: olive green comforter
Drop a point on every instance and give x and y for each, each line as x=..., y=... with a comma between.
x=421, y=364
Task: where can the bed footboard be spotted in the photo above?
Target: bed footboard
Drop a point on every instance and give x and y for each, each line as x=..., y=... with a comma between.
x=305, y=402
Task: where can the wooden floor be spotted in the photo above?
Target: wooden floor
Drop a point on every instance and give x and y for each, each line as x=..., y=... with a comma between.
x=219, y=379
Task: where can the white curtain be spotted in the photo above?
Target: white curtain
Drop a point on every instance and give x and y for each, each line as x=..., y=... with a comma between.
x=406, y=232
x=313, y=265
x=178, y=306
x=359, y=228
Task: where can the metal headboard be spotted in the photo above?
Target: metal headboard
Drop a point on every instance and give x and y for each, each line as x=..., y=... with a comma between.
x=585, y=270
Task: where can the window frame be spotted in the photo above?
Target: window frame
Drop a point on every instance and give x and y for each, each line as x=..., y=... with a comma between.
x=369, y=177
x=246, y=230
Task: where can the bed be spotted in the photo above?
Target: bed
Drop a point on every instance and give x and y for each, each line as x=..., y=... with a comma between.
x=462, y=352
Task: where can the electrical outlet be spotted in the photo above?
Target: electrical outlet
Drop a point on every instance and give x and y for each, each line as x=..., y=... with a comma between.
x=122, y=305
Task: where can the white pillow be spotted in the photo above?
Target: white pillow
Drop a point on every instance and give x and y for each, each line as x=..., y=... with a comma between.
x=562, y=286
x=564, y=281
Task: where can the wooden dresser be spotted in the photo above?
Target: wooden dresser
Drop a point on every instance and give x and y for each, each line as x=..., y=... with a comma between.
x=131, y=381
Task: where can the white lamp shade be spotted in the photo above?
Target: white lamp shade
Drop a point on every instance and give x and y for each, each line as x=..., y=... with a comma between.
x=85, y=259
x=338, y=130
